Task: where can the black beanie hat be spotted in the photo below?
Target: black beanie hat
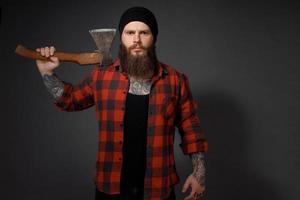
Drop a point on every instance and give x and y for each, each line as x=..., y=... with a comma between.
x=139, y=14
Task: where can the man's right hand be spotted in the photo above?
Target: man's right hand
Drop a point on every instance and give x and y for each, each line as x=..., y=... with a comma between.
x=45, y=66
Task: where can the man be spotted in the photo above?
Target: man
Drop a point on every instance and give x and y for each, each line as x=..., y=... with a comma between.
x=138, y=102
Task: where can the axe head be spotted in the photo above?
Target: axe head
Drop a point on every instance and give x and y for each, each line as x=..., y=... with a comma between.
x=103, y=39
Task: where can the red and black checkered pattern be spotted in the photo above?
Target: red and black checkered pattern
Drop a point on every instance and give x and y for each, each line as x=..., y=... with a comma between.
x=170, y=105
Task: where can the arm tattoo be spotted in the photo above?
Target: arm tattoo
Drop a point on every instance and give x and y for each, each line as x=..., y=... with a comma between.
x=54, y=85
x=198, y=167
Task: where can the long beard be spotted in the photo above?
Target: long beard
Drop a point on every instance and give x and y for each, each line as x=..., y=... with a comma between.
x=139, y=66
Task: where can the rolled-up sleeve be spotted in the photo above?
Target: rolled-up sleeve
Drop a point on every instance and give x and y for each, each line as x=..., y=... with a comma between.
x=78, y=97
x=188, y=122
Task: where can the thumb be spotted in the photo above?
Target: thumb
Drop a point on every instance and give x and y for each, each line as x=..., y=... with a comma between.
x=186, y=185
x=54, y=59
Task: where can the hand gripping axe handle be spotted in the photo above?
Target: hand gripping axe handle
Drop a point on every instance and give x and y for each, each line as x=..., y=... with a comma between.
x=103, y=39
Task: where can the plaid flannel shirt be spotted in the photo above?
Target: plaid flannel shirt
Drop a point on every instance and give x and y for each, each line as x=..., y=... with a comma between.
x=170, y=105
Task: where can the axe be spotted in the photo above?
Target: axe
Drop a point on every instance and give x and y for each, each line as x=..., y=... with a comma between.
x=103, y=39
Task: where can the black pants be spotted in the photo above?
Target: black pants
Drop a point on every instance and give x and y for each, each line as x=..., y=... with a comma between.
x=138, y=195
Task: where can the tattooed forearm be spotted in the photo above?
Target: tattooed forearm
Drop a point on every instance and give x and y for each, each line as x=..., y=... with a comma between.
x=198, y=167
x=54, y=85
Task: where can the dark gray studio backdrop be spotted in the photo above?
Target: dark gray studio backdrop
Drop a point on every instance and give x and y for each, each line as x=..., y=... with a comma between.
x=242, y=62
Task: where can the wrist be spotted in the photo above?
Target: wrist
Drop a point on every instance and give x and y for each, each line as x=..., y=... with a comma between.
x=199, y=176
x=49, y=72
x=198, y=167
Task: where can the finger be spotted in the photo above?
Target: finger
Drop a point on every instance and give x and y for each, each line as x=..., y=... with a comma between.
x=197, y=195
x=53, y=59
x=38, y=49
x=52, y=50
x=202, y=190
x=185, y=186
x=47, y=52
x=190, y=197
x=43, y=51
x=193, y=194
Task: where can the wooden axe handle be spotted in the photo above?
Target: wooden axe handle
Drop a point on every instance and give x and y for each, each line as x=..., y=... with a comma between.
x=79, y=58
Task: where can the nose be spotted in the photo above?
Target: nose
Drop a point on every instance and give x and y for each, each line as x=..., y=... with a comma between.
x=137, y=38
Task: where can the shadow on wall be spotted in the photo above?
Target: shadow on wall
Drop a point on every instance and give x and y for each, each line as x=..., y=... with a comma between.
x=229, y=176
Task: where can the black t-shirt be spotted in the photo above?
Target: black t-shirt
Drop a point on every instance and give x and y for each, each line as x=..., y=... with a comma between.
x=135, y=142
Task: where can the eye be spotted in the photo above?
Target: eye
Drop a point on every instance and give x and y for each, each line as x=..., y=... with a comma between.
x=145, y=32
x=130, y=32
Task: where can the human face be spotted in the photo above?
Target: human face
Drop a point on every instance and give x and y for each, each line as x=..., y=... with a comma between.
x=137, y=37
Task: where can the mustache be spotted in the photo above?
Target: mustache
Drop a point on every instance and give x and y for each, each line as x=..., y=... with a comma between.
x=137, y=46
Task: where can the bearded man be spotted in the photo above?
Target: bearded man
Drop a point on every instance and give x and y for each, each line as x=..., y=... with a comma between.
x=139, y=101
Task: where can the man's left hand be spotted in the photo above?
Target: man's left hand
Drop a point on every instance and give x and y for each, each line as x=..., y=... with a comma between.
x=197, y=189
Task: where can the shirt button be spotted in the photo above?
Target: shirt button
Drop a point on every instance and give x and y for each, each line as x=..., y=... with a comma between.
x=123, y=108
x=120, y=158
x=124, y=92
x=120, y=141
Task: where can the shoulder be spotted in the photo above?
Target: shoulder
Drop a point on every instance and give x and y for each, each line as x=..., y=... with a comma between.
x=97, y=69
x=173, y=71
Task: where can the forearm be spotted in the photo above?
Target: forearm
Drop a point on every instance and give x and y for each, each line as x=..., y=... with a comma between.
x=54, y=85
x=198, y=167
